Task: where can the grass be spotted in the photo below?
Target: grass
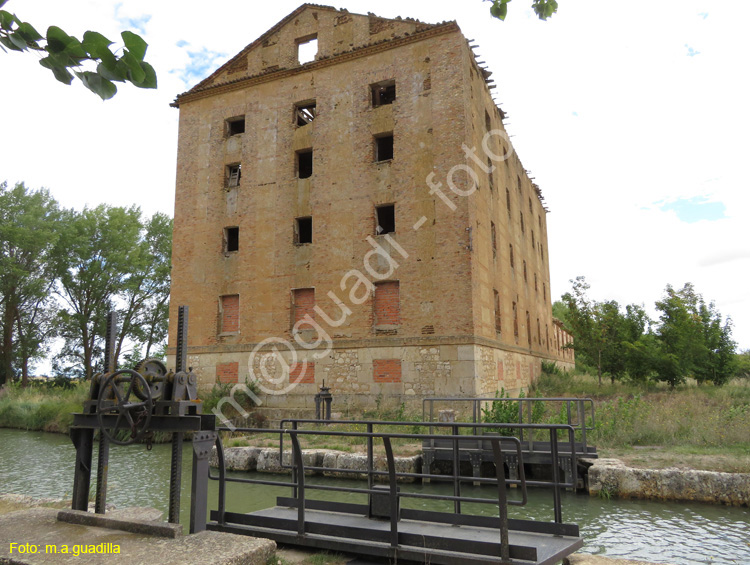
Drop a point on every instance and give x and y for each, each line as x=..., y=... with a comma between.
x=41, y=408
x=705, y=427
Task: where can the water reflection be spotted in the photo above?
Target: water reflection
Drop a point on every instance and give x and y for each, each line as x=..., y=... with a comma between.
x=41, y=465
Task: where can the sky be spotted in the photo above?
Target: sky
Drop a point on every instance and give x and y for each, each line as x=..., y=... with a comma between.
x=633, y=119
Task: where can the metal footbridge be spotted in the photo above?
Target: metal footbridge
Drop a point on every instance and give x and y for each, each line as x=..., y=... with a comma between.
x=384, y=526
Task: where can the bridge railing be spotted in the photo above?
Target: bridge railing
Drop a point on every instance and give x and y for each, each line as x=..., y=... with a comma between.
x=499, y=445
x=576, y=412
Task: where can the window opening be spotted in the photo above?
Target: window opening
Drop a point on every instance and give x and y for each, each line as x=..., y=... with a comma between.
x=304, y=113
x=538, y=332
x=512, y=261
x=515, y=320
x=507, y=201
x=233, y=175
x=536, y=283
x=383, y=93
x=528, y=327
x=487, y=121
x=231, y=239
x=303, y=230
x=523, y=227
x=533, y=240
x=498, y=315
x=531, y=209
x=304, y=164
x=384, y=147
x=493, y=233
x=235, y=126
x=307, y=49
x=518, y=178
x=385, y=219
x=490, y=168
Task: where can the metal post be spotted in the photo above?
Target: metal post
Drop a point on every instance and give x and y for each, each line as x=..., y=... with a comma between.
x=370, y=468
x=175, y=477
x=456, y=472
x=102, y=460
x=502, y=499
x=582, y=420
x=300, y=466
x=222, y=480
x=555, y=475
x=392, y=491
x=295, y=490
x=202, y=444
x=83, y=440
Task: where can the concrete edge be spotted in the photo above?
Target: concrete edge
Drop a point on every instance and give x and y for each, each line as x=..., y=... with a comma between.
x=158, y=529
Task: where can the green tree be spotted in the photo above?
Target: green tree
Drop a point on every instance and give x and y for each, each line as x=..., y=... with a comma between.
x=90, y=60
x=694, y=338
x=144, y=317
x=28, y=235
x=542, y=8
x=603, y=335
x=742, y=364
x=95, y=256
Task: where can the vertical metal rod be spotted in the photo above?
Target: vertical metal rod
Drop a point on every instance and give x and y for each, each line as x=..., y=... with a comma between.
x=295, y=491
x=456, y=471
x=175, y=478
x=502, y=499
x=102, y=470
x=370, y=468
x=300, y=464
x=392, y=491
x=102, y=459
x=530, y=418
x=573, y=459
x=222, y=479
x=555, y=475
x=182, y=333
x=582, y=420
x=83, y=440
x=520, y=419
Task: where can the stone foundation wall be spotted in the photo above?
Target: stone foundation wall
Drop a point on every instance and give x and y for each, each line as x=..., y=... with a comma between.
x=368, y=378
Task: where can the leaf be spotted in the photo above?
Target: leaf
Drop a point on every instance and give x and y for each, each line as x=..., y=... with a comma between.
x=60, y=71
x=119, y=73
x=97, y=46
x=8, y=43
x=7, y=20
x=28, y=32
x=18, y=41
x=98, y=84
x=150, y=80
x=135, y=44
x=57, y=39
x=135, y=71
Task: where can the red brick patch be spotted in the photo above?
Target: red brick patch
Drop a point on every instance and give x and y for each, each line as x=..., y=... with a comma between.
x=302, y=373
x=227, y=372
x=386, y=370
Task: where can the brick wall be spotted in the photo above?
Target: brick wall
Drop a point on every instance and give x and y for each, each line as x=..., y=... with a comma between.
x=230, y=313
x=386, y=370
x=303, y=302
x=296, y=374
x=387, y=309
x=227, y=372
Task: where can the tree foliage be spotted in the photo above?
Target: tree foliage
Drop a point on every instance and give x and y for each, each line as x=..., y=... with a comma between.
x=542, y=8
x=109, y=259
x=28, y=236
x=91, y=59
x=61, y=271
x=689, y=339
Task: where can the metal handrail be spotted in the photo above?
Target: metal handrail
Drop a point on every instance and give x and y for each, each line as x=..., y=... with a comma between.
x=579, y=424
x=297, y=481
x=299, y=485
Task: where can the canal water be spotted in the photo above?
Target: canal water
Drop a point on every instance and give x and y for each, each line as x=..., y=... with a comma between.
x=41, y=465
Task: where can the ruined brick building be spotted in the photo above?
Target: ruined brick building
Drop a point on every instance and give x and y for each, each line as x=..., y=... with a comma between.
x=346, y=194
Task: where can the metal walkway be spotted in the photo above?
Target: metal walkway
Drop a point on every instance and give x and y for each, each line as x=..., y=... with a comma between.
x=575, y=412
x=382, y=527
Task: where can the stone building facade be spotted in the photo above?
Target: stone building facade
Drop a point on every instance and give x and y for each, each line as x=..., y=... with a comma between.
x=359, y=218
